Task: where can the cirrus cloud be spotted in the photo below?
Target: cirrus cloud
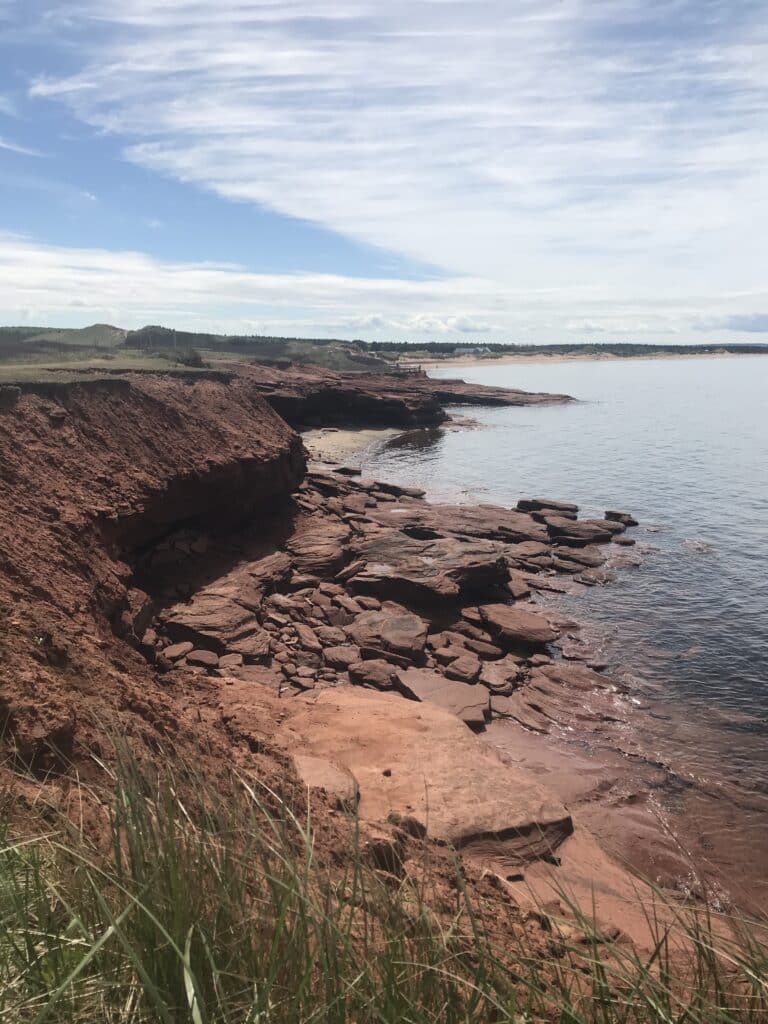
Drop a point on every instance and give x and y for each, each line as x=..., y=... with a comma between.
x=535, y=144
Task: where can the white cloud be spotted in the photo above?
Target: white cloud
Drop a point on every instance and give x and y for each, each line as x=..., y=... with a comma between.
x=604, y=143
x=750, y=323
x=71, y=286
x=7, y=106
x=15, y=147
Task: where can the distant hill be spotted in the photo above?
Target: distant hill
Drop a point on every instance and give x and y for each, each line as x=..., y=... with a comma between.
x=492, y=350
x=332, y=353
x=33, y=341
x=154, y=346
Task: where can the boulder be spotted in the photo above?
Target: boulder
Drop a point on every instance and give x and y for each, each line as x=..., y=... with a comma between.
x=465, y=668
x=589, y=557
x=540, y=504
x=469, y=703
x=399, y=491
x=212, y=619
x=445, y=655
x=307, y=638
x=271, y=570
x=203, y=659
x=625, y=542
x=486, y=651
x=393, y=628
x=384, y=852
x=406, y=569
x=501, y=676
x=177, y=651
x=341, y=657
x=254, y=647
x=514, y=626
x=578, y=533
x=331, y=635
x=230, y=661
x=607, y=524
x=518, y=586
x=377, y=673
x=317, y=546
x=621, y=517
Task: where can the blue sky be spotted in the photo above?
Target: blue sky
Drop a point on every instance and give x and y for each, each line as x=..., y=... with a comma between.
x=536, y=171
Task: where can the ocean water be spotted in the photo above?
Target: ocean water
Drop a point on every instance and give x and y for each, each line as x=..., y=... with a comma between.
x=683, y=445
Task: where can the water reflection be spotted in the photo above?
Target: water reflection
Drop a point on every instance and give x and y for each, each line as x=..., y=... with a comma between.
x=422, y=442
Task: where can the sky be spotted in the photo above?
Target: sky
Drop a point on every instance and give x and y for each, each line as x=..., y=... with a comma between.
x=531, y=171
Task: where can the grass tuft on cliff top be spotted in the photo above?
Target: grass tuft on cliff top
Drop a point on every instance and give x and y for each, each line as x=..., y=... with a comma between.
x=209, y=911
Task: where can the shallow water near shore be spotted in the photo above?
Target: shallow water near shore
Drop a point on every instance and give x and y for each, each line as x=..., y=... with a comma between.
x=683, y=445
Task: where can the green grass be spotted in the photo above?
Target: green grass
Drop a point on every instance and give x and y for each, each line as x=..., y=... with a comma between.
x=36, y=370
x=101, y=336
x=214, y=909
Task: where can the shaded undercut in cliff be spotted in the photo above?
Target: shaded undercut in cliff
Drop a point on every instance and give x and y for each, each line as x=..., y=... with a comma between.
x=89, y=472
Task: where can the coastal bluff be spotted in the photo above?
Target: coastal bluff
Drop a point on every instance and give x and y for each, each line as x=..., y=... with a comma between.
x=173, y=574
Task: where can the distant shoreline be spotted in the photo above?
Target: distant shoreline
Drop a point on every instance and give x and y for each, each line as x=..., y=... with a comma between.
x=511, y=359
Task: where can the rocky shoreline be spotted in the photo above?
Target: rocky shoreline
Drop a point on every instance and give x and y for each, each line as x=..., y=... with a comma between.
x=192, y=586
x=372, y=585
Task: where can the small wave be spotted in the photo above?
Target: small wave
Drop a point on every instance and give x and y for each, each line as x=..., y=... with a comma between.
x=698, y=544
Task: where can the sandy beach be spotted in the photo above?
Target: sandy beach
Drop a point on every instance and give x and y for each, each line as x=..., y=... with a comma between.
x=536, y=357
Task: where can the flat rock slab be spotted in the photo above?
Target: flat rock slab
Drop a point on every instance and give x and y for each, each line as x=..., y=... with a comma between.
x=176, y=651
x=419, y=761
x=589, y=557
x=203, y=659
x=501, y=676
x=210, y=617
x=405, y=568
x=334, y=779
x=515, y=626
x=377, y=673
x=625, y=518
x=393, y=628
x=563, y=695
x=341, y=657
x=539, y=504
x=467, y=702
x=577, y=677
x=491, y=522
x=579, y=532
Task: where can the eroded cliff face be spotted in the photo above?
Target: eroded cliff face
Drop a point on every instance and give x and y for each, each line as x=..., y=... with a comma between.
x=308, y=396
x=171, y=576
x=89, y=473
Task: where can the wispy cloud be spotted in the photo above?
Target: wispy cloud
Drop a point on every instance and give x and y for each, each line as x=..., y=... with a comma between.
x=70, y=285
x=7, y=106
x=532, y=143
x=15, y=147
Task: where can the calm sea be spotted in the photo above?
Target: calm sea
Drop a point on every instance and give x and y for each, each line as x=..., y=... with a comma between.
x=683, y=445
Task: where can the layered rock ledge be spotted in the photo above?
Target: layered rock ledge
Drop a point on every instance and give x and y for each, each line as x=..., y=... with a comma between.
x=308, y=396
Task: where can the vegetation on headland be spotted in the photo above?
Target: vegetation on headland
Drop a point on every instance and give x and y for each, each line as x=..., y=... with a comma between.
x=155, y=348
x=189, y=906
x=495, y=350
